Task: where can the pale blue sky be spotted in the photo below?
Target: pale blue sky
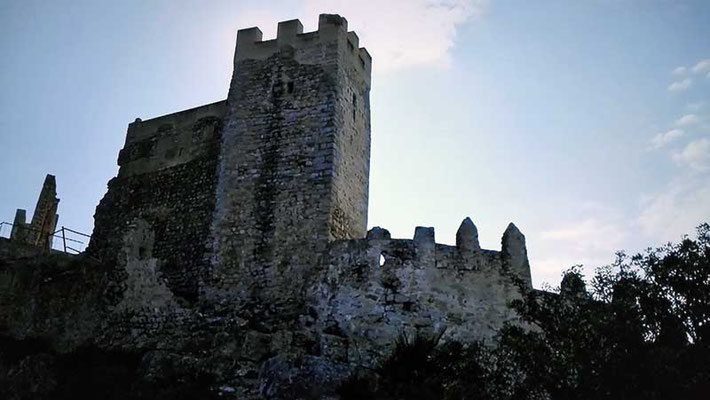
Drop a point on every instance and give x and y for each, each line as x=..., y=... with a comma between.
x=587, y=123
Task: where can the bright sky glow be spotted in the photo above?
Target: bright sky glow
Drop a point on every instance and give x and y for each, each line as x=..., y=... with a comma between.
x=587, y=123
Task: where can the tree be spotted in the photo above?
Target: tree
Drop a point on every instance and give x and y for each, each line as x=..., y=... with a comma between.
x=641, y=331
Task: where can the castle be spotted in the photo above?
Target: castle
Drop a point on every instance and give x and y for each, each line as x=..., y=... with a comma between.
x=236, y=233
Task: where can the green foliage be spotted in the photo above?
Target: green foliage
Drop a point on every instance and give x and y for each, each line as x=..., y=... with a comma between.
x=641, y=331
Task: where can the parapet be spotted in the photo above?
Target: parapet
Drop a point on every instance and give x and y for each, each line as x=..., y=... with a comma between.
x=423, y=252
x=390, y=286
x=331, y=28
x=170, y=140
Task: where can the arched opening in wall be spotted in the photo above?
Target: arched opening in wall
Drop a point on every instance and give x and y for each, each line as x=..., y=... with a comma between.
x=382, y=260
x=289, y=87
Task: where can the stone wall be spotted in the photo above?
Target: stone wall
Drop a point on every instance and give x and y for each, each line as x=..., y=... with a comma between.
x=377, y=288
x=166, y=181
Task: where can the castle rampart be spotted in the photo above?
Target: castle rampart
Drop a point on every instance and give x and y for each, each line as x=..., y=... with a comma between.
x=377, y=288
x=234, y=242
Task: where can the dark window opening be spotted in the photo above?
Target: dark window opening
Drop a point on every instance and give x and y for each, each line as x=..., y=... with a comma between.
x=289, y=87
x=142, y=253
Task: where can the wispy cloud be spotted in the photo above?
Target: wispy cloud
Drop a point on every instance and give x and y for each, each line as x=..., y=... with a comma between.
x=702, y=66
x=405, y=32
x=679, y=71
x=676, y=209
x=662, y=139
x=680, y=85
x=696, y=155
x=590, y=241
x=588, y=233
x=687, y=120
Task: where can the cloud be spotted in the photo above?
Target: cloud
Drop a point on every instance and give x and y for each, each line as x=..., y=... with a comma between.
x=590, y=241
x=696, y=155
x=679, y=71
x=403, y=33
x=680, y=85
x=702, y=67
x=590, y=233
x=663, y=139
x=688, y=119
x=676, y=209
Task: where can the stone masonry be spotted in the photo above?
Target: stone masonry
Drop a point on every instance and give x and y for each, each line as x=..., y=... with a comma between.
x=38, y=232
x=233, y=242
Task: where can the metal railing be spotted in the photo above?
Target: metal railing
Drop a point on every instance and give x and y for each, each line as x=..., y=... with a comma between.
x=69, y=238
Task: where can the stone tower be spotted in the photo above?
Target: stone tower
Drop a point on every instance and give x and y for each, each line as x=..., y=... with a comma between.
x=295, y=154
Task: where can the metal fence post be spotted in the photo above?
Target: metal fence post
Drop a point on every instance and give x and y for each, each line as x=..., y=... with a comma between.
x=64, y=240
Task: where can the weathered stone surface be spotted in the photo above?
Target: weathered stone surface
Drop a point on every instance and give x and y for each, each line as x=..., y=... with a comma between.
x=467, y=236
x=378, y=233
x=231, y=251
x=515, y=253
x=38, y=232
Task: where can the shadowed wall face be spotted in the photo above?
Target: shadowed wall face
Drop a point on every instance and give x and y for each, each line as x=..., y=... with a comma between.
x=166, y=181
x=38, y=232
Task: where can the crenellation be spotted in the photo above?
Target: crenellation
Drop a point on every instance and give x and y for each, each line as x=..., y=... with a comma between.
x=514, y=253
x=467, y=236
x=353, y=42
x=287, y=30
x=310, y=47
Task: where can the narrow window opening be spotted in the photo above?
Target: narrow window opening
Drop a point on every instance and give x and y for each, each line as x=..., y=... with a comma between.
x=289, y=87
x=180, y=151
x=382, y=260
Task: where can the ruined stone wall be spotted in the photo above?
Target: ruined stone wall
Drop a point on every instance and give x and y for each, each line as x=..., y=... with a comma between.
x=50, y=295
x=167, y=180
x=294, y=159
x=233, y=241
x=377, y=288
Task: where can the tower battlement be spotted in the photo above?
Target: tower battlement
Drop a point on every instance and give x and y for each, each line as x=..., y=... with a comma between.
x=332, y=28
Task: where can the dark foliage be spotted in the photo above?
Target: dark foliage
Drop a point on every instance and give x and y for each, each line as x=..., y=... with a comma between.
x=642, y=331
x=422, y=368
x=30, y=369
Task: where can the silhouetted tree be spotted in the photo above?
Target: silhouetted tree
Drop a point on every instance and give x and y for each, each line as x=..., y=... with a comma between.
x=641, y=331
